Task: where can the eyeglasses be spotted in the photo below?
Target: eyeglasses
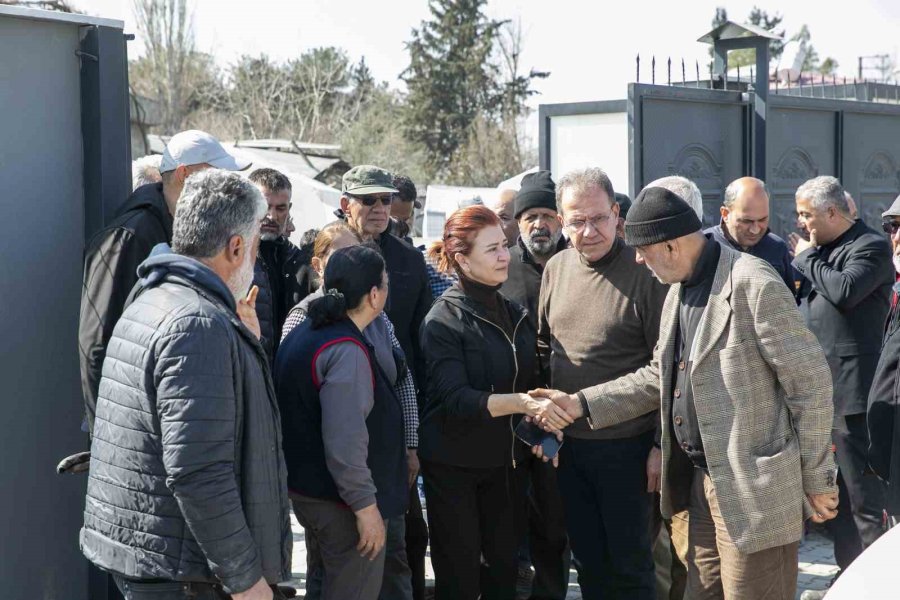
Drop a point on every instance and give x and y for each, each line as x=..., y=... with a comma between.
x=370, y=200
x=578, y=225
x=890, y=227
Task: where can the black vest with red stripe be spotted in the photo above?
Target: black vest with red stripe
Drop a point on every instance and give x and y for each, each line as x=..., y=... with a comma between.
x=301, y=417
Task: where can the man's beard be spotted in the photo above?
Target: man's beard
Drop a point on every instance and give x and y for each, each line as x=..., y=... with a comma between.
x=240, y=281
x=267, y=236
x=543, y=248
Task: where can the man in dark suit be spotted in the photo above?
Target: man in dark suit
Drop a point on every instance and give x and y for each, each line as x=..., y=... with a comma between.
x=844, y=297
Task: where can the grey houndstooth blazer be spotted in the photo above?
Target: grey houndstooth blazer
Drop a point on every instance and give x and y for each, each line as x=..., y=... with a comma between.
x=762, y=391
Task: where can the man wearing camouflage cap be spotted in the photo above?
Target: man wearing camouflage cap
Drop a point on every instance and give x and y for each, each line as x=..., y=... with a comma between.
x=366, y=195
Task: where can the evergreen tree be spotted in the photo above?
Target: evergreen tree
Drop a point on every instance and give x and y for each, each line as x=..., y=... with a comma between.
x=451, y=78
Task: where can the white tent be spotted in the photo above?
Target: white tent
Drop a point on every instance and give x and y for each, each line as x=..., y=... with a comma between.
x=515, y=182
x=313, y=202
x=441, y=200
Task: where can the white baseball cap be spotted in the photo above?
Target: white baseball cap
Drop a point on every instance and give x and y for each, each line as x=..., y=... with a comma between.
x=193, y=147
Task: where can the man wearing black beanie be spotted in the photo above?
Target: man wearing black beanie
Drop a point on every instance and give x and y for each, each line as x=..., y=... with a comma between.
x=540, y=514
x=744, y=394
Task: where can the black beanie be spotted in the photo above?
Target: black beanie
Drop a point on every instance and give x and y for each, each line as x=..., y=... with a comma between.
x=659, y=215
x=537, y=191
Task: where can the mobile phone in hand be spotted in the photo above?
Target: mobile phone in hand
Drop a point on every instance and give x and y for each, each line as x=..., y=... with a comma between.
x=532, y=435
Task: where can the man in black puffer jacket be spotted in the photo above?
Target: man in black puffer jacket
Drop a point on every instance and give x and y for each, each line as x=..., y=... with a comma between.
x=188, y=481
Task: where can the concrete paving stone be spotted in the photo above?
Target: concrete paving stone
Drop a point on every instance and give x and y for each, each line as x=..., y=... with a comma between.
x=816, y=564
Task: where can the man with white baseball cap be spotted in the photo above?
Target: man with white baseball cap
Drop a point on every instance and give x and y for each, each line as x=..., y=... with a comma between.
x=114, y=253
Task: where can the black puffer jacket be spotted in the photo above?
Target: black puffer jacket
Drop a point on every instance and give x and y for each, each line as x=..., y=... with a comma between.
x=187, y=479
x=468, y=358
x=290, y=277
x=265, y=311
x=111, y=259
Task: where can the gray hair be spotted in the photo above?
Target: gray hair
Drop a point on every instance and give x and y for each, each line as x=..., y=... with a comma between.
x=684, y=188
x=145, y=170
x=214, y=206
x=824, y=191
x=731, y=191
x=584, y=180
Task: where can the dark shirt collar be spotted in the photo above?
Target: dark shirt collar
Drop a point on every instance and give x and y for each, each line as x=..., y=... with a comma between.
x=486, y=295
x=842, y=238
x=706, y=265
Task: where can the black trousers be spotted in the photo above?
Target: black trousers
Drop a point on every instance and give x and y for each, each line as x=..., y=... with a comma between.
x=541, y=521
x=608, y=510
x=416, y=543
x=859, y=521
x=470, y=516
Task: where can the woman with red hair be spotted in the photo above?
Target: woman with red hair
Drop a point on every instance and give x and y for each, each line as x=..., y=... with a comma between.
x=481, y=355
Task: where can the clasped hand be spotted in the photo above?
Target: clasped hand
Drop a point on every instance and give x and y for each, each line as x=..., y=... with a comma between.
x=559, y=409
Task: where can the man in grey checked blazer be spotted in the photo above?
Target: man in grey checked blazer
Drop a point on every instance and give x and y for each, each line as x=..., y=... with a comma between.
x=745, y=398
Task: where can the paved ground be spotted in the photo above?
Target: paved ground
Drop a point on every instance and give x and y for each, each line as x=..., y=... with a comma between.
x=816, y=564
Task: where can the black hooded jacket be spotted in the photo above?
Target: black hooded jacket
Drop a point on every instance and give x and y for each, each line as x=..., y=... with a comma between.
x=111, y=259
x=469, y=357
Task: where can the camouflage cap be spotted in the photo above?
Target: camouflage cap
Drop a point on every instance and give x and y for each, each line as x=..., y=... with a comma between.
x=368, y=179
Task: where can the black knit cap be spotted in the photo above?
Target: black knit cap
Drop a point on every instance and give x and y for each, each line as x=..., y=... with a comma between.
x=537, y=191
x=659, y=215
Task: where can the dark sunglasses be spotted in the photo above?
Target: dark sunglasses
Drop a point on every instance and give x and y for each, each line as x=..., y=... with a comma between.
x=890, y=227
x=371, y=200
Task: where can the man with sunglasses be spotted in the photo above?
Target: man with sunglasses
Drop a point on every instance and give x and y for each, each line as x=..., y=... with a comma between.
x=598, y=319
x=884, y=396
x=844, y=298
x=367, y=193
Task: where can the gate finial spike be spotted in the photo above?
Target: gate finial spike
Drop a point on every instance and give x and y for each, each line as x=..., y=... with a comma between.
x=637, y=63
x=669, y=70
x=697, y=66
x=683, y=74
x=653, y=70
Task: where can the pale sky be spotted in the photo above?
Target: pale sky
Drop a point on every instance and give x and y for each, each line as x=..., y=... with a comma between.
x=588, y=45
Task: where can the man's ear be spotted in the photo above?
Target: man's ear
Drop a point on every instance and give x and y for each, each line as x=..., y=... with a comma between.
x=316, y=263
x=345, y=204
x=181, y=173
x=724, y=212
x=236, y=249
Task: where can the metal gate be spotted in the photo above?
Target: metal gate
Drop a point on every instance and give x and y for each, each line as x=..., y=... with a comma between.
x=710, y=136
x=700, y=134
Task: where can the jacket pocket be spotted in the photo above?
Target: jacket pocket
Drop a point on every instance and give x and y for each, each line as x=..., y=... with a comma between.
x=780, y=458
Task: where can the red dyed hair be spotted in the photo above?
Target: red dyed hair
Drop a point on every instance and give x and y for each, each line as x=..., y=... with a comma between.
x=459, y=235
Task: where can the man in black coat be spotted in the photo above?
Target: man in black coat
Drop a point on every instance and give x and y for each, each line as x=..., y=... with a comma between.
x=844, y=298
x=540, y=237
x=745, y=226
x=283, y=271
x=367, y=192
x=112, y=256
x=539, y=518
x=884, y=397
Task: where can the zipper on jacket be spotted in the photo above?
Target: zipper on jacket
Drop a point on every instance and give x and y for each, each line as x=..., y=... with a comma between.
x=512, y=344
